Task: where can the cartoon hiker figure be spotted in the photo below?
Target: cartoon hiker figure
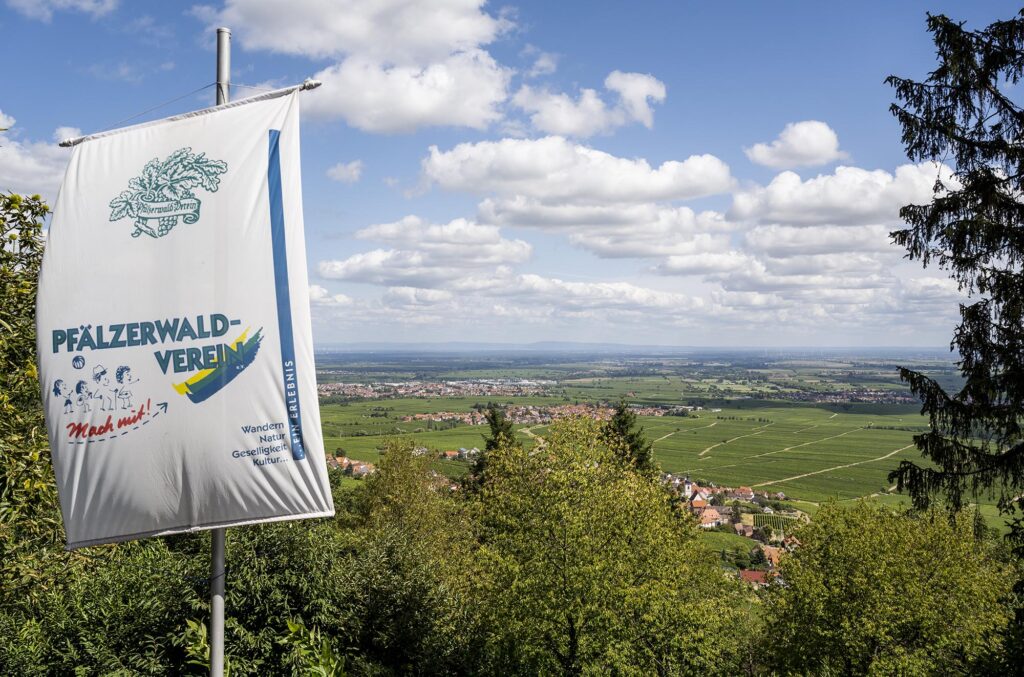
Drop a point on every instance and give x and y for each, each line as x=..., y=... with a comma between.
x=60, y=388
x=104, y=389
x=84, y=395
x=124, y=378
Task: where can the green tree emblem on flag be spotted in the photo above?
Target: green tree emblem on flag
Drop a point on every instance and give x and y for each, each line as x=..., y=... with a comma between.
x=163, y=194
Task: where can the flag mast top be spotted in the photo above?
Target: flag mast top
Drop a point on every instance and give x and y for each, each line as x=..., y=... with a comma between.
x=223, y=65
x=223, y=84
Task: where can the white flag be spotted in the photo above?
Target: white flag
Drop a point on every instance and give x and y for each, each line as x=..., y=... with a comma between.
x=174, y=337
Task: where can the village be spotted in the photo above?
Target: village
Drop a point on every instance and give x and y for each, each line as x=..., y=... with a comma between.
x=543, y=414
x=462, y=388
x=849, y=396
x=758, y=516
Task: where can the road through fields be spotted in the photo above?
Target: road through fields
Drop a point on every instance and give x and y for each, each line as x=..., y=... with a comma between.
x=734, y=439
x=686, y=430
x=838, y=467
x=804, y=444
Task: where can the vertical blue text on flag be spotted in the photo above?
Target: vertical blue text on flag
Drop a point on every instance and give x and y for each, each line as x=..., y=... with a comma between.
x=284, y=308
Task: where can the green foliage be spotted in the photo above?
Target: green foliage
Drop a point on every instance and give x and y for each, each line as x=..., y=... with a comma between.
x=587, y=568
x=565, y=560
x=872, y=591
x=196, y=643
x=118, y=611
x=623, y=427
x=314, y=655
x=30, y=534
x=408, y=570
x=500, y=428
x=964, y=114
x=501, y=433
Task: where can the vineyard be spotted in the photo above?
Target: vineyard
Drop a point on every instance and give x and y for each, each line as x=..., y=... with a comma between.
x=780, y=524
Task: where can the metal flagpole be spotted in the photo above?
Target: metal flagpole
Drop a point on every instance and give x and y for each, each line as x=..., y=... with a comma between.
x=223, y=65
x=217, y=549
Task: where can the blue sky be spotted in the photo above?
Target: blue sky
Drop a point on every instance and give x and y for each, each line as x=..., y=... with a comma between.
x=679, y=173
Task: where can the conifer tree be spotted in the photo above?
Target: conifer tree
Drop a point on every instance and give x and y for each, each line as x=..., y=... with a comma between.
x=623, y=427
x=500, y=427
x=501, y=434
x=964, y=115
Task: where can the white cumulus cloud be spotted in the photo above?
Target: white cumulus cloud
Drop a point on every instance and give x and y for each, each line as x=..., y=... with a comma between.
x=705, y=263
x=426, y=255
x=387, y=31
x=848, y=196
x=558, y=113
x=346, y=172
x=596, y=295
x=44, y=9
x=398, y=65
x=800, y=144
x=546, y=63
x=320, y=296
x=465, y=89
x=33, y=167
x=555, y=170
x=779, y=241
x=415, y=296
x=616, y=231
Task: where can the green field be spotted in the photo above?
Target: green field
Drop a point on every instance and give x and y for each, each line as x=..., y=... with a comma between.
x=718, y=541
x=808, y=453
x=778, y=523
x=812, y=453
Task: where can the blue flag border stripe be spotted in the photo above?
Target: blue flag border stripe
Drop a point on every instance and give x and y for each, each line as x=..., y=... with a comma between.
x=284, y=305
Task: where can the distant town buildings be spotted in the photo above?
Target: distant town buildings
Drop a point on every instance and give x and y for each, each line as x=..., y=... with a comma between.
x=530, y=414
x=356, y=469
x=466, y=388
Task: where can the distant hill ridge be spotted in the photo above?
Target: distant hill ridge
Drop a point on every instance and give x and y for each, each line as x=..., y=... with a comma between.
x=941, y=353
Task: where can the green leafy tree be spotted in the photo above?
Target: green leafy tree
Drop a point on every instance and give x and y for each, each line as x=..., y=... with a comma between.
x=30, y=532
x=587, y=570
x=314, y=655
x=872, y=591
x=113, y=610
x=964, y=114
x=405, y=581
x=501, y=433
x=623, y=426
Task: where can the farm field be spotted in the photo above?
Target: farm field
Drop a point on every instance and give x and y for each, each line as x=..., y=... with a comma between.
x=379, y=417
x=808, y=453
x=752, y=430
x=719, y=541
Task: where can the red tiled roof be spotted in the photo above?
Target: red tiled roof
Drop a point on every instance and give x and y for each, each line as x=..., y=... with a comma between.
x=756, y=577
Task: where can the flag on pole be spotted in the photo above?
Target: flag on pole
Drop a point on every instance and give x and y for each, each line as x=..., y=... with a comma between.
x=174, y=340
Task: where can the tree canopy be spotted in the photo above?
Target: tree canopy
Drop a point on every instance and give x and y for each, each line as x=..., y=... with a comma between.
x=29, y=523
x=501, y=434
x=872, y=591
x=637, y=449
x=588, y=569
x=964, y=118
